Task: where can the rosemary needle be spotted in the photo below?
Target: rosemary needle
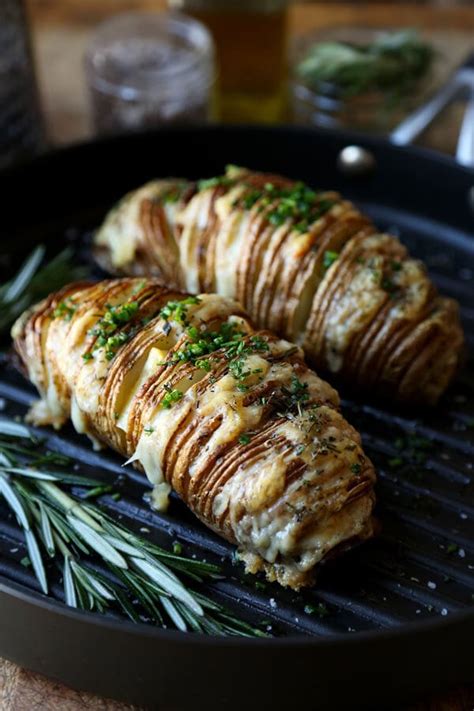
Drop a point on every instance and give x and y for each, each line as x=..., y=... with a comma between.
x=104, y=565
x=35, y=280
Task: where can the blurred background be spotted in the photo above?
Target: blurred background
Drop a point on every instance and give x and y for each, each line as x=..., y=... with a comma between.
x=71, y=69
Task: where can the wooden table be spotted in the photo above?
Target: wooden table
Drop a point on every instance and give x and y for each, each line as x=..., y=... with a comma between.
x=61, y=28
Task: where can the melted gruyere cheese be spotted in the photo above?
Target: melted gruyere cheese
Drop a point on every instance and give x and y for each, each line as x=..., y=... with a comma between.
x=155, y=358
x=194, y=219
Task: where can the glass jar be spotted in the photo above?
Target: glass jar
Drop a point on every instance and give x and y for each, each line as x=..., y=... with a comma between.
x=147, y=69
x=375, y=109
x=250, y=38
x=21, y=128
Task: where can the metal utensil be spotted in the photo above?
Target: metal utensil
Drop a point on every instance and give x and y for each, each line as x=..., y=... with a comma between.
x=459, y=86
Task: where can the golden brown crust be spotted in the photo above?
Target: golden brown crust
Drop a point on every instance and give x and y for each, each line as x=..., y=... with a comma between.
x=225, y=238
x=241, y=429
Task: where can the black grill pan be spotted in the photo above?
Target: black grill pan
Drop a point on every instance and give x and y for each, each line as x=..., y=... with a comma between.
x=398, y=613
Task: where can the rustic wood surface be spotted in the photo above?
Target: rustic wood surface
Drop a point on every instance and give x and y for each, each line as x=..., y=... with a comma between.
x=61, y=29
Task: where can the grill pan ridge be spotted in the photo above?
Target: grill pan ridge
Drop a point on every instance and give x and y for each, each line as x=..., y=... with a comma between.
x=415, y=581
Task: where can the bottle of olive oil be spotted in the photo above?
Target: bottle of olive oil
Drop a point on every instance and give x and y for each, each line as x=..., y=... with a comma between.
x=250, y=38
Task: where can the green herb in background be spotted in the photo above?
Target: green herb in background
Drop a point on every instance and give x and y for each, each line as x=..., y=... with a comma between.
x=392, y=63
x=137, y=577
x=34, y=281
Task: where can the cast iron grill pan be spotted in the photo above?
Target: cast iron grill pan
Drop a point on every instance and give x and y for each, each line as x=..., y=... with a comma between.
x=415, y=579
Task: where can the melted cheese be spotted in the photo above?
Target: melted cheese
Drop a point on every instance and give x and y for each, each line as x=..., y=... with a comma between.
x=155, y=357
x=354, y=309
x=121, y=231
x=233, y=233
x=194, y=220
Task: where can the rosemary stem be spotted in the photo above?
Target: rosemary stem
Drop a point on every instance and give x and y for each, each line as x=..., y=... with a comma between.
x=70, y=506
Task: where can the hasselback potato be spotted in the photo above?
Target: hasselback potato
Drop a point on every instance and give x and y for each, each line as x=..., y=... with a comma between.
x=229, y=417
x=307, y=265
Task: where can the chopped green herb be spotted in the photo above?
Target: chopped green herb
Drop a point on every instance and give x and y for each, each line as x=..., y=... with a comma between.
x=294, y=396
x=235, y=345
x=297, y=203
x=149, y=430
x=172, y=396
x=173, y=193
x=87, y=356
x=259, y=344
x=329, y=258
x=108, y=329
x=244, y=439
x=320, y=609
x=388, y=285
x=141, y=285
x=215, y=182
x=98, y=491
x=412, y=450
x=178, y=309
x=395, y=462
x=249, y=200
x=204, y=364
x=356, y=468
x=113, y=343
x=65, y=310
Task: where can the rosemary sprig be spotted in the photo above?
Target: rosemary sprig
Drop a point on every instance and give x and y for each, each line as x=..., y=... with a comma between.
x=33, y=282
x=392, y=63
x=137, y=577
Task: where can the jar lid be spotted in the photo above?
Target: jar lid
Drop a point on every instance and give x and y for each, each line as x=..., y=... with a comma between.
x=260, y=6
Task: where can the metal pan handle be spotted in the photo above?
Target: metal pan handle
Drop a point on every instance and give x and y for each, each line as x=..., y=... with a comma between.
x=465, y=147
x=460, y=85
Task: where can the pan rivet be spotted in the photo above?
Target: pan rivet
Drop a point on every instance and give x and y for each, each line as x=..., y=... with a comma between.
x=355, y=160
